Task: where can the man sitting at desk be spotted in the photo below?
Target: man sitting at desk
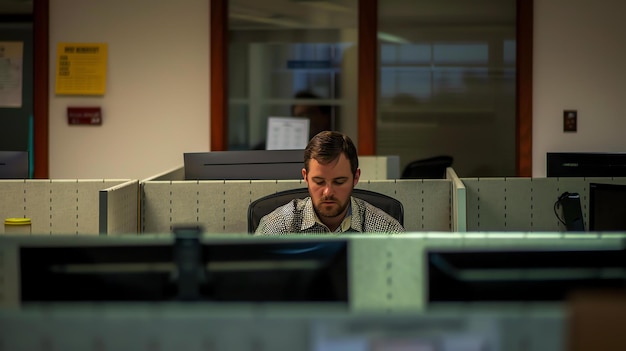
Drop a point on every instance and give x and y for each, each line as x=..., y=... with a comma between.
x=331, y=170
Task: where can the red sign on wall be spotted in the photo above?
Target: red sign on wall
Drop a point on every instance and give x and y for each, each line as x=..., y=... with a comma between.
x=84, y=115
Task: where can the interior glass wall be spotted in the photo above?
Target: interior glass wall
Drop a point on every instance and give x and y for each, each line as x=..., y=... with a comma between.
x=447, y=83
x=446, y=76
x=290, y=59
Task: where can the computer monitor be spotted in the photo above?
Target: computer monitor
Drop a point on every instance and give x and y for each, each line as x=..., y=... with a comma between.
x=522, y=274
x=585, y=164
x=229, y=271
x=13, y=164
x=607, y=207
x=244, y=165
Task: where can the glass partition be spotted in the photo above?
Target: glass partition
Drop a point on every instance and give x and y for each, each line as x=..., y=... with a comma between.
x=288, y=59
x=446, y=76
x=447, y=83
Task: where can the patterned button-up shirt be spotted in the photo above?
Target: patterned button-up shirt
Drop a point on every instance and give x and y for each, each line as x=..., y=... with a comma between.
x=298, y=216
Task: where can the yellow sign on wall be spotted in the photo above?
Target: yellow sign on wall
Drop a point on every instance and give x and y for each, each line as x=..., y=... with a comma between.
x=81, y=68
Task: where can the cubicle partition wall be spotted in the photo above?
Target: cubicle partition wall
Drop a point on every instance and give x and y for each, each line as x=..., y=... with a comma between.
x=508, y=291
x=359, y=273
x=524, y=204
x=427, y=202
x=119, y=209
x=75, y=207
x=221, y=206
x=456, y=272
x=174, y=173
x=379, y=167
x=218, y=206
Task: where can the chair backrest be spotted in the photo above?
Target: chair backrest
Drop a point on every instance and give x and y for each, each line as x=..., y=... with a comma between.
x=266, y=204
x=428, y=168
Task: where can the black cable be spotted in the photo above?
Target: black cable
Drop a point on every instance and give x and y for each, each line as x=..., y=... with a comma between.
x=556, y=205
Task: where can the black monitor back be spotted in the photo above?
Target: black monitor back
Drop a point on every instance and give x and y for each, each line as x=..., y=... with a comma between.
x=607, y=207
x=585, y=164
x=13, y=164
x=244, y=165
x=522, y=274
x=232, y=271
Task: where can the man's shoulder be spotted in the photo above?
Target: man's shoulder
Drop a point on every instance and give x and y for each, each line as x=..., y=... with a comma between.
x=364, y=206
x=283, y=218
x=375, y=219
x=293, y=205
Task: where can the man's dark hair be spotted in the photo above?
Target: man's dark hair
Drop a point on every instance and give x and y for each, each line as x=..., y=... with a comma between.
x=327, y=146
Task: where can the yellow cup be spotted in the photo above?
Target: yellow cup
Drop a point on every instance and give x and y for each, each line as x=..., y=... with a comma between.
x=17, y=226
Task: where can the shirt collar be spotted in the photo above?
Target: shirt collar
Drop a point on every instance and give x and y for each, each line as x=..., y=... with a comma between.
x=349, y=223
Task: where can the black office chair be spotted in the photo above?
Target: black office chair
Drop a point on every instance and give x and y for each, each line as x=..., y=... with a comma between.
x=428, y=168
x=266, y=204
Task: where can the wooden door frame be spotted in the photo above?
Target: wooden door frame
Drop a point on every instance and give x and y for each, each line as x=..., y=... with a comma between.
x=524, y=89
x=218, y=95
x=41, y=10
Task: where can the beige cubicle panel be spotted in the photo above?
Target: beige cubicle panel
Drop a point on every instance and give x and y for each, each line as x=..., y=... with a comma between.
x=72, y=206
x=119, y=209
x=379, y=167
x=390, y=273
x=427, y=202
x=174, y=173
x=523, y=204
x=221, y=206
x=217, y=206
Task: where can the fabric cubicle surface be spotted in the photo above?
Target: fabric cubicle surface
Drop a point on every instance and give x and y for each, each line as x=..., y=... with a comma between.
x=66, y=206
x=222, y=206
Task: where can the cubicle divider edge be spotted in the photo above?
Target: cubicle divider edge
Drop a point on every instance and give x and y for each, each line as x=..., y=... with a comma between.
x=119, y=209
x=459, y=201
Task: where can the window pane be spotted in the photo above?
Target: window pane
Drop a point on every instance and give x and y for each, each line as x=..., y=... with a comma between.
x=460, y=53
x=447, y=84
x=290, y=58
x=510, y=50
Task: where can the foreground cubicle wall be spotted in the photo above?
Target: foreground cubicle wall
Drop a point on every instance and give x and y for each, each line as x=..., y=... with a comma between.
x=174, y=327
x=221, y=206
x=76, y=206
x=381, y=273
x=523, y=204
x=388, y=302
